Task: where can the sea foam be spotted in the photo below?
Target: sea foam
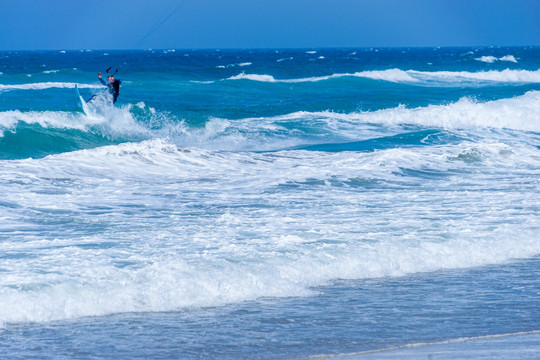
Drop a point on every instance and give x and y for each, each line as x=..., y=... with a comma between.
x=279, y=132
x=250, y=248
x=492, y=59
x=114, y=122
x=413, y=76
x=46, y=85
x=393, y=75
x=266, y=133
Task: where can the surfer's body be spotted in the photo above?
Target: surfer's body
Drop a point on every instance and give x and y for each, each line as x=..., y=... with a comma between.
x=113, y=85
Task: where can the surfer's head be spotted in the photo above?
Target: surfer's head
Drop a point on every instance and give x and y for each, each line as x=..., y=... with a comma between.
x=111, y=79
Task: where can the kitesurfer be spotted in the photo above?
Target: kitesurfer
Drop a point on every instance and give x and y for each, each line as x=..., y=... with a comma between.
x=113, y=85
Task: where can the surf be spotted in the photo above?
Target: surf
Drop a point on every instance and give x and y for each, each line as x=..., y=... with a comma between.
x=41, y=133
x=46, y=85
x=305, y=128
x=447, y=78
x=240, y=246
x=107, y=124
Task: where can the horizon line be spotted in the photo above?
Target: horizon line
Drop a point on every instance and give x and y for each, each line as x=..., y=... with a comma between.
x=274, y=48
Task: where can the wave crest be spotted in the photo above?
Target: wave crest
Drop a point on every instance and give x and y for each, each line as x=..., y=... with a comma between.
x=492, y=59
x=47, y=85
x=297, y=129
x=414, y=76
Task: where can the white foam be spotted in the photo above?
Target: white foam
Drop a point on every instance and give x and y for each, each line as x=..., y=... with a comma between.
x=208, y=228
x=510, y=58
x=62, y=120
x=517, y=113
x=202, y=81
x=47, y=85
x=109, y=121
x=392, y=75
x=491, y=59
x=271, y=133
x=504, y=76
x=306, y=128
x=488, y=59
x=413, y=76
x=389, y=75
x=234, y=65
x=284, y=59
x=256, y=77
x=162, y=228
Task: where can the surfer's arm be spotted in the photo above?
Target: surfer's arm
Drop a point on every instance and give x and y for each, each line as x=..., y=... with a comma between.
x=101, y=80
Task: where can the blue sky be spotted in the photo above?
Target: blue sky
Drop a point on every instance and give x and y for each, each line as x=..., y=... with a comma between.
x=130, y=24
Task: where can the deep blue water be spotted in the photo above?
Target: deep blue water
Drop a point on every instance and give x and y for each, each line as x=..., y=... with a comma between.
x=270, y=203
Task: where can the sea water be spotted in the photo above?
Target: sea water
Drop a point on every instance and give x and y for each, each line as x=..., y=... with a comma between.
x=277, y=204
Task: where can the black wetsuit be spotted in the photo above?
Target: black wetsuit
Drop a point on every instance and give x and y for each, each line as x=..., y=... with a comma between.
x=114, y=88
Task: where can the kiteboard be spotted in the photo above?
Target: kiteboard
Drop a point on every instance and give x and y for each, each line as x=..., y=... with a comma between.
x=82, y=103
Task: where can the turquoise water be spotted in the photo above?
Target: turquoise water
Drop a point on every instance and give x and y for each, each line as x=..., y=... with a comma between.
x=270, y=204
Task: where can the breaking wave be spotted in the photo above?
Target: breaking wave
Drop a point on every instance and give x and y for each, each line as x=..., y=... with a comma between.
x=47, y=85
x=414, y=76
x=492, y=59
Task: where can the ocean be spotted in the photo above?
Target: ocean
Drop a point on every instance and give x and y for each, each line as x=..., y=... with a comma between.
x=372, y=203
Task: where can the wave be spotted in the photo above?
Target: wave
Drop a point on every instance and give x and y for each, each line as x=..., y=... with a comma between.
x=119, y=118
x=143, y=160
x=284, y=59
x=303, y=128
x=492, y=59
x=202, y=81
x=106, y=287
x=460, y=77
x=234, y=65
x=320, y=130
x=393, y=75
x=415, y=77
x=47, y=85
x=40, y=133
x=517, y=113
x=46, y=119
x=189, y=262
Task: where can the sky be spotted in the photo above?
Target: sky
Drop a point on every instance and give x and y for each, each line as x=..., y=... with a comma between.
x=220, y=24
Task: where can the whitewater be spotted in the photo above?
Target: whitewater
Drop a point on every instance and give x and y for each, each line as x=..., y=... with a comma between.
x=310, y=203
